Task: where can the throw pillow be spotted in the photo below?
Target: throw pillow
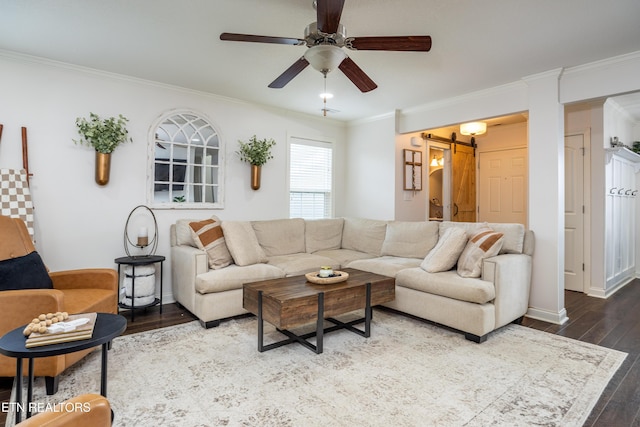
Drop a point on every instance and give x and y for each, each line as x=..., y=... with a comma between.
x=25, y=272
x=445, y=254
x=209, y=237
x=243, y=243
x=483, y=244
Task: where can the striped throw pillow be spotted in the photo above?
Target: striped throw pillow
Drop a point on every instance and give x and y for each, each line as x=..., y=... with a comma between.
x=208, y=237
x=484, y=243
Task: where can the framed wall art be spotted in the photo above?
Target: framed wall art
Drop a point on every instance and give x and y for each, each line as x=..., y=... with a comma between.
x=412, y=163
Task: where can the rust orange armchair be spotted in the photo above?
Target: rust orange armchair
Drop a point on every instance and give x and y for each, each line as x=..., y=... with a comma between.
x=74, y=291
x=81, y=411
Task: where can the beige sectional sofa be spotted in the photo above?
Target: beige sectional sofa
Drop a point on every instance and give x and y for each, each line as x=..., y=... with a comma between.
x=285, y=247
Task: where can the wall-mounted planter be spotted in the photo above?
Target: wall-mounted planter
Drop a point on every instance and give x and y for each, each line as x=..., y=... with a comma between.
x=104, y=135
x=256, y=171
x=103, y=167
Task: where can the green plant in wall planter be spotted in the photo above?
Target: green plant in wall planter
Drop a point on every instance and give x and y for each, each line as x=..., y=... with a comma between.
x=256, y=152
x=104, y=135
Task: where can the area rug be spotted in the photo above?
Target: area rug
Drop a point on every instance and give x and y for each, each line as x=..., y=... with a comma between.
x=407, y=373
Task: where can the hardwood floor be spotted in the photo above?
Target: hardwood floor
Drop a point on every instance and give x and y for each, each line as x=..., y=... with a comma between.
x=612, y=323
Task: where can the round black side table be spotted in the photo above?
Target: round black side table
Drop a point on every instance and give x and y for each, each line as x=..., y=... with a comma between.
x=12, y=344
x=134, y=261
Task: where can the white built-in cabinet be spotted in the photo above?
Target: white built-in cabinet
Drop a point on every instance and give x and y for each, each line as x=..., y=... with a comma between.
x=620, y=215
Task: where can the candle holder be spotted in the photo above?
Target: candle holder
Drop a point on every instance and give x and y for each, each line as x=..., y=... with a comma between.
x=147, y=245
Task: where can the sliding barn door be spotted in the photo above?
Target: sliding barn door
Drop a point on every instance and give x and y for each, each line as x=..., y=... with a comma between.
x=463, y=171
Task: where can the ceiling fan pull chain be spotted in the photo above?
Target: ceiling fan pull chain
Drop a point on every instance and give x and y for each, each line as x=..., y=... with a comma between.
x=324, y=96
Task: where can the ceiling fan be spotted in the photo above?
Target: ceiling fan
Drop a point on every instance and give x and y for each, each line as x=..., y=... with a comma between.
x=325, y=39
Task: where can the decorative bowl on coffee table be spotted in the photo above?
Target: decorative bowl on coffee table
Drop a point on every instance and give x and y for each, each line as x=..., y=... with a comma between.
x=336, y=277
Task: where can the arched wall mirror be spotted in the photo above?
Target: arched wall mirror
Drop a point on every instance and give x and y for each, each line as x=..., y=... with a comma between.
x=185, y=162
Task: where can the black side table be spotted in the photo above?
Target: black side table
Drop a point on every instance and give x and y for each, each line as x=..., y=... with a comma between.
x=12, y=344
x=134, y=261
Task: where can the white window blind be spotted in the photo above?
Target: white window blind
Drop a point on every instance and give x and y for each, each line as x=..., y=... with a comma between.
x=310, y=170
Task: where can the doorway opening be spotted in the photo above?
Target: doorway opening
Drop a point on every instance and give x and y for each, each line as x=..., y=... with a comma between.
x=439, y=168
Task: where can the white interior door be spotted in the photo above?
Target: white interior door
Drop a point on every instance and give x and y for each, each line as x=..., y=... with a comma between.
x=502, y=193
x=574, y=213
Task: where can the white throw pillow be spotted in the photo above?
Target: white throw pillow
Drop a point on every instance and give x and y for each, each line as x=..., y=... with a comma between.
x=445, y=254
x=483, y=244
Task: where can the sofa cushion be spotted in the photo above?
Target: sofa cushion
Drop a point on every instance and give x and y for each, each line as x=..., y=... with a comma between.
x=343, y=256
x=234, y=276
x=410, y=239
x=513, y=242
x=483, y=244
x=280, y=236
x=513, y=233
x=323, y=234
x=447, y=284
x=209, y=237
x=386, y=265
x=183, y=232
x=364, y=235
x=301, y=263
x=25, y=272
x=446, y=252
x=243, y=243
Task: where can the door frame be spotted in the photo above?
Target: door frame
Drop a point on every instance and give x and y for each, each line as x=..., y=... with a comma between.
x=586, y=190
x=446, y=178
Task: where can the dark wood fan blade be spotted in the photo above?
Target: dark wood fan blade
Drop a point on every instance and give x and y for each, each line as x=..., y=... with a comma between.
x=329, y=12
x=397, y=43
x=356, y=75
x=260, y=39
x=289, y=74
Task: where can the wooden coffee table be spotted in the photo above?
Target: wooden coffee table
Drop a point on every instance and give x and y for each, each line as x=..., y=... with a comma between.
x=291, y=302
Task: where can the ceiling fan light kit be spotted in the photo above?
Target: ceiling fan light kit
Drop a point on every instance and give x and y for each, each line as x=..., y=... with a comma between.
x=325, y=39
x=324, y=58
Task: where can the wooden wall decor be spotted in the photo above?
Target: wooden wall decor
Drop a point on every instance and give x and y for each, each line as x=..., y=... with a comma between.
x=412, y=164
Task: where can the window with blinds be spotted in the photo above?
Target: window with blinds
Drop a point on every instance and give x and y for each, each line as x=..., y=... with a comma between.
x=310, y=171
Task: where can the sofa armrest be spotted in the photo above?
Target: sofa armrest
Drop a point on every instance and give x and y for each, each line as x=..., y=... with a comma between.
x=88, y=278
x=186, y=263
x=511, y=276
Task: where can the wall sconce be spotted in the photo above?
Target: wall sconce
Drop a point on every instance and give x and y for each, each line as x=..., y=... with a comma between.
x=434, y=162
x=473, y=128
x=141, y=223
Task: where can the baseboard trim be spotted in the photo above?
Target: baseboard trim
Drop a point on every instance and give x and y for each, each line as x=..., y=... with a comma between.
x=559, y=318
x=606, y=293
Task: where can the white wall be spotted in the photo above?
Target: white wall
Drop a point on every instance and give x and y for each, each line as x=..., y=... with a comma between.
x=505, y=137
x=80, y=224
x=410, y=205
x=370, y=169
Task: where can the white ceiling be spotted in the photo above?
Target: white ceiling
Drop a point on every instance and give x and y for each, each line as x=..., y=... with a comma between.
x=476, y=44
